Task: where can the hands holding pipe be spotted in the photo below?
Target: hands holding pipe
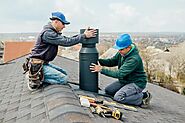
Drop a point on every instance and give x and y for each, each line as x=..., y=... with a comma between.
x=90, y=33
x=95, y=67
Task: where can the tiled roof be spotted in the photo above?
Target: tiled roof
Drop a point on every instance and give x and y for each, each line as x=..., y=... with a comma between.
x=60, y=104
x=16, y=49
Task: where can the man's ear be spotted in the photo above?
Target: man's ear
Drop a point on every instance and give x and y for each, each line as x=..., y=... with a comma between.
x=129, y=47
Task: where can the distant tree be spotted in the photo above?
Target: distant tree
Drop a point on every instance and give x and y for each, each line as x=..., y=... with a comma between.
x=151, y=65
x=177, y=62
x=103, y=46
x=147, y=60
x=165, y=67
x=183, y=91
x=154, y=66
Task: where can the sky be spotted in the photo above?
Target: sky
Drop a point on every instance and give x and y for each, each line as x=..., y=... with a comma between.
x=19, y=16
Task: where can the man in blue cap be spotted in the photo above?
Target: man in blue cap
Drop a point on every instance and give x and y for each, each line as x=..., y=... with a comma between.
x=45, y=50
x=131, y=76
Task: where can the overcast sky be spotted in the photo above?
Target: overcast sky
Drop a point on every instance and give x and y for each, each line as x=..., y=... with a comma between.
x=106, y=15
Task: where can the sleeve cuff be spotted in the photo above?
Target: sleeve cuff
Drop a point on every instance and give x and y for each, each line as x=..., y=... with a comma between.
x=102, y=70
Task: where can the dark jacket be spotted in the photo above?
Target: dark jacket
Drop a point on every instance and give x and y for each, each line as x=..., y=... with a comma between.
x=130, y=68
x=46, y=46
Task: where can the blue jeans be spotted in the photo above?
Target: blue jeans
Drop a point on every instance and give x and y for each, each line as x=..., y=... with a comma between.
x=54, y=74
x=126, y=94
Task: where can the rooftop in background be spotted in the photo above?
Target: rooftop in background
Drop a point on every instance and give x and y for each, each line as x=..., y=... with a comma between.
x=59, y=103
x=157, y=39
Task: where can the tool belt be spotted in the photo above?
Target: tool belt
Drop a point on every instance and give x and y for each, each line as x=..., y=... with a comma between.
x=34, y=67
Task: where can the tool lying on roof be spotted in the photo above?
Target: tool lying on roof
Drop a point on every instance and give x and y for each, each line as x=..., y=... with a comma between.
x=100, y=109
x=105, y=108
x=104, y=111
x=106, y=103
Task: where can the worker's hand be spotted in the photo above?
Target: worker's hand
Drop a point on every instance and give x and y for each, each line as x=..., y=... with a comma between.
x=95, y=67
x=89, y=33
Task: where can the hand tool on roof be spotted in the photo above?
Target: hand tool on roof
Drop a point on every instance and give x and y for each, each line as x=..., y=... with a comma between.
x=112, y=104
x=98, y=108
x=104, y=111
x=99, y=111
x=118, y=105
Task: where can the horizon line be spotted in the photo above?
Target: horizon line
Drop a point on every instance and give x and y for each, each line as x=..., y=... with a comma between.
x=100, y=32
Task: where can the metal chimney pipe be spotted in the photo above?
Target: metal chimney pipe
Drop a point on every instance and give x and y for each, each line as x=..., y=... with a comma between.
x=87, y=55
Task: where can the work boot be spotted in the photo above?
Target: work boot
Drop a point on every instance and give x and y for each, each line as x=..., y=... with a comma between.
x=32, y=86
x=146, y=99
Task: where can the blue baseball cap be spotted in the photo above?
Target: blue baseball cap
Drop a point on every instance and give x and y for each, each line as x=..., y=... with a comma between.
x=60, y=16
x=122, y=42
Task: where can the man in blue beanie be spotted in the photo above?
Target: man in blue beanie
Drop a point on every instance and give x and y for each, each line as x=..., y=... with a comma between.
x=131, y=76
x=45, y=50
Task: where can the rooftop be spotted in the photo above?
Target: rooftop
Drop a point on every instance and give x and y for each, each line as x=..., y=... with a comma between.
x=60, y=104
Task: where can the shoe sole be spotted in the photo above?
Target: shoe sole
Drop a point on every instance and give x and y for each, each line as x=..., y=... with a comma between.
x=28, y=84
x=149, y=99
x=147, y=102
x=30, y=87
